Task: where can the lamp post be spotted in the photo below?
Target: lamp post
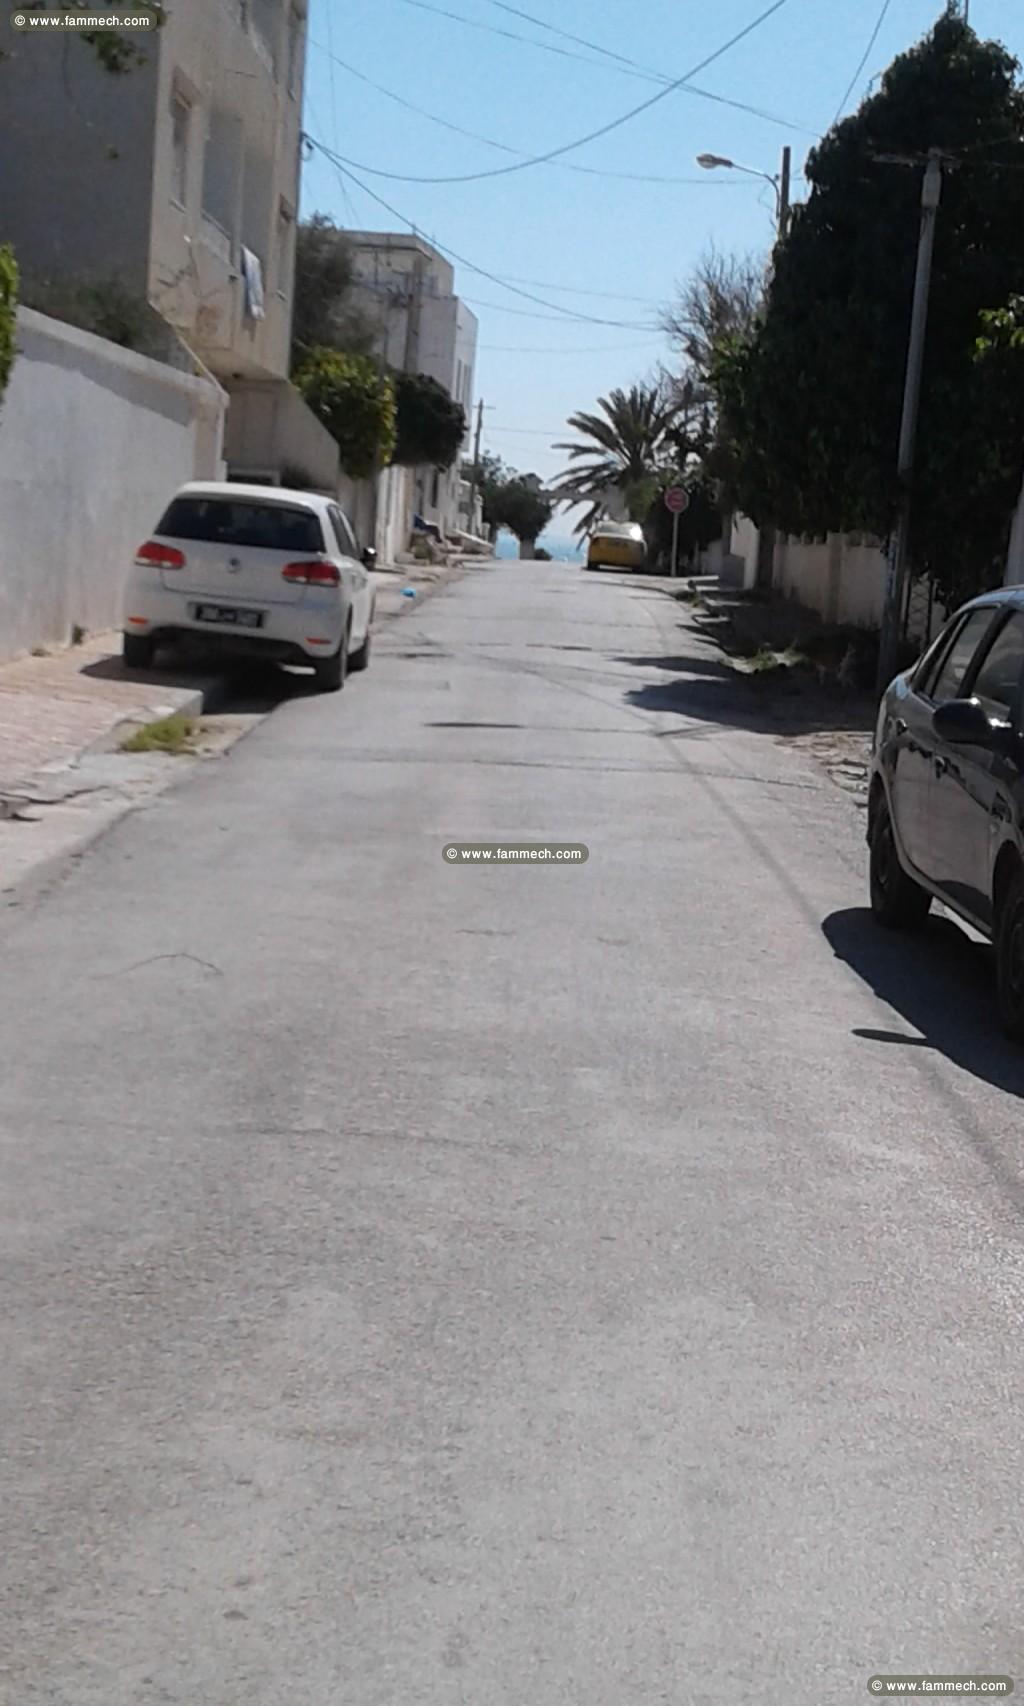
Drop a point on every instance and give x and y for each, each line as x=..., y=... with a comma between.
x=778, y=181
x=765, y=573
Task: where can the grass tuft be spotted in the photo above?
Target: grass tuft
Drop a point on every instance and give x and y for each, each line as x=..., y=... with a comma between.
x=174, y=735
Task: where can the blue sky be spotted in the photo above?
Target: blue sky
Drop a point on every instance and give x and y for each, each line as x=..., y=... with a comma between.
x=549, y=227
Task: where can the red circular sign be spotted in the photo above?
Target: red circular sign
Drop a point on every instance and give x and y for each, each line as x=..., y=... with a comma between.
x=676, y=499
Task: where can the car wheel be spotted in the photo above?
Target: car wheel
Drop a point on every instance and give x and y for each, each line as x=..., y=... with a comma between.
x=896, y=900
x=361, y=658
x=138, y=651
x=330, y=675
x=1010, y=958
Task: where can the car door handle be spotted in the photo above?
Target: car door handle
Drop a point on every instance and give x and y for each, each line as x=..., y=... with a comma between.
x=941, y=766
x=900, y=726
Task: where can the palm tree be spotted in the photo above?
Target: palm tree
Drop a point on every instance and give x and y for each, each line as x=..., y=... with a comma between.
x=627, y=447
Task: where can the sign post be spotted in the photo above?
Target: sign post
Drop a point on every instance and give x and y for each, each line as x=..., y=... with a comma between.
x=677, y=500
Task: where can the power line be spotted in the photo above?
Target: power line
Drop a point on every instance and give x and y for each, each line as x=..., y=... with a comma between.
x=864, y=59
x=577, y=290
x=592, y=136
x=505, y=148
x=525, y=314
x=629, y=67
x=557, y=349
x=526, y=432
x=560, y=313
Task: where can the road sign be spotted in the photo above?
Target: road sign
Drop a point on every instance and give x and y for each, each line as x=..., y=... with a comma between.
x=677, y=499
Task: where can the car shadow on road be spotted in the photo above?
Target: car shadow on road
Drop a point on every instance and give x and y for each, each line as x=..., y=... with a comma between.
x=251, y=687
x=176, y=670
x=941, y=983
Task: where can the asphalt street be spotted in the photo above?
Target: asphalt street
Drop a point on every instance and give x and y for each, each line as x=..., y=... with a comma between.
x=462, y=1285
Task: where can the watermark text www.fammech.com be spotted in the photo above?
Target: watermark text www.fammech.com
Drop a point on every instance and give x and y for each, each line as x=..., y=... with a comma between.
x=85, y=21
x=941, y=1687
x=516, y=853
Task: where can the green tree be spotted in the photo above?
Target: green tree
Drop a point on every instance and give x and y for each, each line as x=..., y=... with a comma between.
x=430, y=427
x=324, y=314
x=355, y=403
x=8, y=313
x=622, y=449
x=810, y=401
x=721, y=299
x=522, y=507
x=699, y=525
x=493, y=475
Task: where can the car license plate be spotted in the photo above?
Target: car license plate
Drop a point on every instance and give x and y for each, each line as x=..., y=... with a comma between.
x=230, y=614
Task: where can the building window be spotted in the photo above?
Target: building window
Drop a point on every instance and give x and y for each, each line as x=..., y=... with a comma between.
x=222, y=166
x=181, y=125
x=294, y=51
x=264, y=31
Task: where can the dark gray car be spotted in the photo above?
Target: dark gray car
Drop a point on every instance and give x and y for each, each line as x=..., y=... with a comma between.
x=946, y=807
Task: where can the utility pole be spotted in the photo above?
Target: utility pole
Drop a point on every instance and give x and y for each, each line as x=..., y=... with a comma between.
x=765, y=575
x=475, y=483
x=931, y=193
x=784, y=177
x=415, y=315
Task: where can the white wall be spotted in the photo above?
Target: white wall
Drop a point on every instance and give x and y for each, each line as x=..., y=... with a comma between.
x=743, y=544
x=841, y=578
x=269, y=426
x=93, y=441
x=394, y=513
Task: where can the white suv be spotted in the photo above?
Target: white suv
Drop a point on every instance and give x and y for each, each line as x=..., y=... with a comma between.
x=260, y=569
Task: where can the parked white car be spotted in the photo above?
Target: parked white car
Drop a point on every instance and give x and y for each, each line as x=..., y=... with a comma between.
x=255, y=569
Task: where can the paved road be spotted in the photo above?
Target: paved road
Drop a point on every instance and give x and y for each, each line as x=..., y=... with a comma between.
x=510, y=1287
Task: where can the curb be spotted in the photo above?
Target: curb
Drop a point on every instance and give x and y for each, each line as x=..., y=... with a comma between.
x=203, y=701
x=52, y=867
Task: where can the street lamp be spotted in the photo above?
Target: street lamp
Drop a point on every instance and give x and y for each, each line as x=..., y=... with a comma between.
x=765, y=573
x=780, y=184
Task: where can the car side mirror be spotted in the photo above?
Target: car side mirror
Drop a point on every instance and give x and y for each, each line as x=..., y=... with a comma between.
x=369, y=558
x=964, y=722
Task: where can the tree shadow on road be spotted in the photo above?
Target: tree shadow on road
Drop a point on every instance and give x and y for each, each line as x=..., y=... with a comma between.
x=941, y=984
x=769, y=702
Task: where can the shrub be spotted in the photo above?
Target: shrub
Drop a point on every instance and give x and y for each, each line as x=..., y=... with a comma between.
x=8, y=313
x=430, y=427
x=355, y=403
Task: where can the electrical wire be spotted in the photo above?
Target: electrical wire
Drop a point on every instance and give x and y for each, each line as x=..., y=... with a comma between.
x=526, y=432
x=452, y=254
x=526, y=314
x=504, y=148
x=580, y=141
x=577, y=290
x=629, y=67
x=556, y=349
x=864, y=59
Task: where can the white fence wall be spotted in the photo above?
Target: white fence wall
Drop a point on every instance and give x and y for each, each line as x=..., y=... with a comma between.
x=272, y=433
x=395, y=495
x=93, y=441
x=841, y=578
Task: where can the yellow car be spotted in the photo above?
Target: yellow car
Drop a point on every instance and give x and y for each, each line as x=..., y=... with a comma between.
x=616, y=545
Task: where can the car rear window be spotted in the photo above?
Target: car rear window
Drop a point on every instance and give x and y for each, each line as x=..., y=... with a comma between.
x=229, y=521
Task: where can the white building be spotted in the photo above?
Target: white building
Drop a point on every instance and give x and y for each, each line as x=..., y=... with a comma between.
x=408, y=290
x=179, y=180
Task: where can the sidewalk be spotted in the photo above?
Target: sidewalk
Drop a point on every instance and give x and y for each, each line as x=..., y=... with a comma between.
x=56, y=707
x=53, y=708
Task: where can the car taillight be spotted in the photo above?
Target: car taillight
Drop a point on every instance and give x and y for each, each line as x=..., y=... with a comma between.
x=313, y=572
x=153, y=555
